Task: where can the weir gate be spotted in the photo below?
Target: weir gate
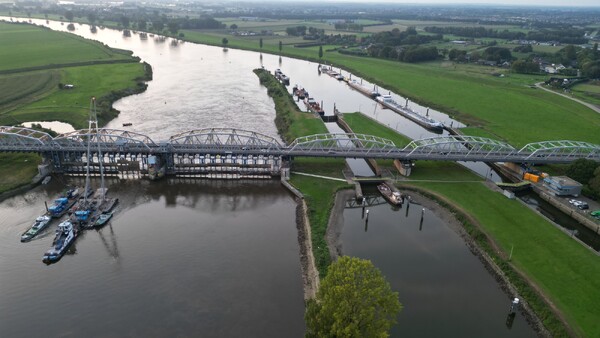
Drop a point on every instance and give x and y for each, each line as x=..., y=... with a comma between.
x=235, y=153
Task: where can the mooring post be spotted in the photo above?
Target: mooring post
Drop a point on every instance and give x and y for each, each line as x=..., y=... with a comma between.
x=421, y=223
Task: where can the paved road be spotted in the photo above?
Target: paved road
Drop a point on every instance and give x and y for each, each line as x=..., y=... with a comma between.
x=589, y=105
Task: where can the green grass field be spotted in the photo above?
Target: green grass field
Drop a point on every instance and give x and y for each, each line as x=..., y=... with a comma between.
x=72, y=106
x=22, y=88
x=17, y=170
x=27, y=95
x=566, y=271
x=588, y=92
x=36, y=46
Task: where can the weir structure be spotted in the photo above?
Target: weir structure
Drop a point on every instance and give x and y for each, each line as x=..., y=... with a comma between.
x=236, y=153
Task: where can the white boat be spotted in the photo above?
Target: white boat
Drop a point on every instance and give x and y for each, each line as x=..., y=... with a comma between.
x=40, y=224
x=431, y=124
x=394, y=197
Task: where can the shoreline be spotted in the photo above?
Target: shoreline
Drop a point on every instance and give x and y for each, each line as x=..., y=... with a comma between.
x=335, y=228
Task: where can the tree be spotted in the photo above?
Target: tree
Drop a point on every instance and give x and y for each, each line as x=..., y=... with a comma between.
x=158, y=25
x=173, y=27
x=320, y=52
x=233, y=26
x=280, y=46
x=582, y=170
x=124, y=21
x=354, y=300
x=142, y=25
x=260, y=43
x=69, y=15
x=225, y=42
x=595, y=183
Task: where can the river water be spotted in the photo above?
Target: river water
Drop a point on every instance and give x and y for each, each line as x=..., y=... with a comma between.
x=213, y=258
x=443, y=287
x=220, y=258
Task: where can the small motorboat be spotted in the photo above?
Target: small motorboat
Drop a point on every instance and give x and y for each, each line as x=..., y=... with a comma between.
x=103, y=219
x=40, y=224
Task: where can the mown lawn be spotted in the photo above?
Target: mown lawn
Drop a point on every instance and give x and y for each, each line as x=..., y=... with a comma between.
x=72, y=105
x=32, y=46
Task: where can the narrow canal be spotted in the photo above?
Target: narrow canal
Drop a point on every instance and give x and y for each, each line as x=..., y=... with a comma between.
x=443, y=286
x=221, y=258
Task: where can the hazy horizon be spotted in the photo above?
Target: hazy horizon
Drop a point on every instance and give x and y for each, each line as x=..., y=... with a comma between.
x=515, y=3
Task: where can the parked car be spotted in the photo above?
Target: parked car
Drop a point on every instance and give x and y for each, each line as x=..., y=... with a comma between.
x=583, y=206
x=573, y=201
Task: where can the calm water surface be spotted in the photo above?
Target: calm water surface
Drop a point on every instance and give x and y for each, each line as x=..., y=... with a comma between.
x=212, y=259
x=445, y=290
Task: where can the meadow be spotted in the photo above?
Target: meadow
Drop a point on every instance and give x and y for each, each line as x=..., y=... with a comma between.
x=73, y=105
x=33, y=46
x=31, y=70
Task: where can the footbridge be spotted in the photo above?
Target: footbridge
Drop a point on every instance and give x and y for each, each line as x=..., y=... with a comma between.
x=218, y=147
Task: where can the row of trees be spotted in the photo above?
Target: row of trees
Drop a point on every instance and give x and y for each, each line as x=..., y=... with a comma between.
x=586, y=172
x=348, y=26
x=564, y=35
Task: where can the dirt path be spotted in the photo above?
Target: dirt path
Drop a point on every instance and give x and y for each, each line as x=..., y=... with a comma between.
x=589, y=105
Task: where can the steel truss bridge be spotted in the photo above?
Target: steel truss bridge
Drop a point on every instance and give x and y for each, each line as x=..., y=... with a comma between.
x=198, y=145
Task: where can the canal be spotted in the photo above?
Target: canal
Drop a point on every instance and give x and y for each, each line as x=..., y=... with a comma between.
x=221, y=258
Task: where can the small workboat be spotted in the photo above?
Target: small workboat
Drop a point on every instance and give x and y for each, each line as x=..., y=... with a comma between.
x=103, y=219
x=394, y=197
x=65, y=236
x=40, y=224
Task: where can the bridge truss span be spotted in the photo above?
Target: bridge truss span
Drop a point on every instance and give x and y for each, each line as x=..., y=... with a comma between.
x=341, y=143
x=562, y=149
x=23, y=139
x=466, y=146
x=216, y=140
x=110, y=140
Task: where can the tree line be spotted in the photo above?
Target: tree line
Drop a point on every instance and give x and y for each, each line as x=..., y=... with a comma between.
x=564, y=35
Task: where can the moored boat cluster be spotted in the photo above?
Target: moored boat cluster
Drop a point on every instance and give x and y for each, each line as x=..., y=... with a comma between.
x=83, y=211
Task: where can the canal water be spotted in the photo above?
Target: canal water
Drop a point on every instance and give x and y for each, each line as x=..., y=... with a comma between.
x=221, y=258
x=212, y=259
x=443, y=287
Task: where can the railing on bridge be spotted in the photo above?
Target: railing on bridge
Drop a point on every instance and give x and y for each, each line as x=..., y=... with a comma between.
x=214, y=141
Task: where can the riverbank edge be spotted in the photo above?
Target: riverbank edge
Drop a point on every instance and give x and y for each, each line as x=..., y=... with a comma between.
x=310, y=274
x=450, y=213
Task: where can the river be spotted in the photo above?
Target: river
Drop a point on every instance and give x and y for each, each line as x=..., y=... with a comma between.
x=220, y=258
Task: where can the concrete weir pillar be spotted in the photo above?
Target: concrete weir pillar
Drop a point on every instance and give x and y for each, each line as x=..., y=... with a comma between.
x=404, y=167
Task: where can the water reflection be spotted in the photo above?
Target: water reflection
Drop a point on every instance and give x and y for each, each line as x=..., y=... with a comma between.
x=178, y=258
x=438, y=278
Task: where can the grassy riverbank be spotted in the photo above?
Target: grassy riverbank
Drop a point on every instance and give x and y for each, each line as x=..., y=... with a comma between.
x=566, y=273
x=17, y=170
x=318, y=192
x=506, y=107
x=35, y=61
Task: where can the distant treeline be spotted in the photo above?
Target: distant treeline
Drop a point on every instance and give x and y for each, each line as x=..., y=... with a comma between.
x=397, y=38
x=565, y=35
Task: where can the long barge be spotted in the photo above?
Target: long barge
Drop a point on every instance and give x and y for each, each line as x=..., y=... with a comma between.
x=424, y=121
x=372, y=93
